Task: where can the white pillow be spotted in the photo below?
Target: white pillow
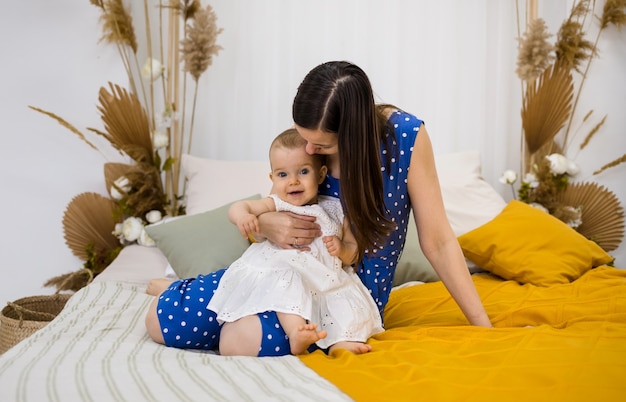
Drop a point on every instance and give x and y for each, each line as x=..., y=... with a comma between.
x=469, y=200
x=136, y=265
x=212, y=183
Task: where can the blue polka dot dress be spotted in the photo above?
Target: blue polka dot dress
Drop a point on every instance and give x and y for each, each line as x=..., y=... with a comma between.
x=378, y=266
x=181, y=310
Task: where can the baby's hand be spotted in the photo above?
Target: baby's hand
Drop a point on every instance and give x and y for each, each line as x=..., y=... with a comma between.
x=248, y=225
x=333, y=245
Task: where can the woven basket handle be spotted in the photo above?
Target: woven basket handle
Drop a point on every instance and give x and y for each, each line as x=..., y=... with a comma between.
x=22, y=310
x=69, y=277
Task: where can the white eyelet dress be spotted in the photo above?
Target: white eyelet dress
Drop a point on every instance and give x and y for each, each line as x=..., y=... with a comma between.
x=311, y=284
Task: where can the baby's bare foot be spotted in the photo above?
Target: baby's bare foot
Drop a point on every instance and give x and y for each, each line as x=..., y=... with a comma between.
x=156, y=286
x=303, y=337
x=355, y=347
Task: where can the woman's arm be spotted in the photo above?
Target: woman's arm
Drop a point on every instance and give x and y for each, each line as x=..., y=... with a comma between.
x=437, y=240
x=286, y=229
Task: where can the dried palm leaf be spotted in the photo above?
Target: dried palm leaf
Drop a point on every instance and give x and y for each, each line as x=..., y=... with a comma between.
x=88, y=222
x=125, y=121
x=546, y=106
x=602, y=214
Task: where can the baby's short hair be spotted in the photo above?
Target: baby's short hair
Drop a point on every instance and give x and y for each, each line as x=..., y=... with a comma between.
x=289, y=139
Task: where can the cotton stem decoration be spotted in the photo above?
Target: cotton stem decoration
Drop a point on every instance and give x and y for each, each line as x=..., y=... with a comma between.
x=553, y=76
x=149, y=123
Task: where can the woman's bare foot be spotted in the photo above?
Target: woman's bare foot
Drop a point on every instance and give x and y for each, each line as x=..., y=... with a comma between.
x=303, y=337
x=156, y=286
x=355, y=347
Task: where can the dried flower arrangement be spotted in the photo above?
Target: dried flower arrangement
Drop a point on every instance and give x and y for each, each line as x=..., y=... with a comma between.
x=550, y=97
x=150, y=186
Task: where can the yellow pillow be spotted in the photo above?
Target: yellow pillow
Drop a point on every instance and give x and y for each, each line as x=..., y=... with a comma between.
x=525, y=244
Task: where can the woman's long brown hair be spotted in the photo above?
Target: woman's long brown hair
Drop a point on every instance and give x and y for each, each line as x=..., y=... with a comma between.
x=337, y=97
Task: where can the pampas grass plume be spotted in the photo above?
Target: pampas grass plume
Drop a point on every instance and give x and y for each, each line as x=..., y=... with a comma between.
x=199, y=45
x=593, y=131
x=614, y=12
x=117, y=23
x=535, y=51
x=611, y=164
x=572, y=49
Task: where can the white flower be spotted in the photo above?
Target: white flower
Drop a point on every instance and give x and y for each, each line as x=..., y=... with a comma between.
x=578, y=214
x=132, y=228
x=572, y=168
x=117, y=232
x=160, y=139
x=123, y=184
x=166, y=118
x=152, y=69
x=145, y=240
x=539, y=207
x=575, y=223
x=508, y=177
x=531, y=180
x=154, y=216
x=558, y=164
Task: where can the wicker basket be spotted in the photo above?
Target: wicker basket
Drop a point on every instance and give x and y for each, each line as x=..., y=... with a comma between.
x=23, y=317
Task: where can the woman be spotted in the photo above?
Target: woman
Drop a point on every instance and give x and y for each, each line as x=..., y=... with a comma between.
x=370, y=148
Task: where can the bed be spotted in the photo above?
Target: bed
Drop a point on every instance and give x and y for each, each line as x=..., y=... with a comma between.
x=558, y=308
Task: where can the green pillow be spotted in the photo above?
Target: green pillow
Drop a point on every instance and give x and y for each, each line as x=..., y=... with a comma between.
x=200, y=243
x=208, y=241
x=413, y=265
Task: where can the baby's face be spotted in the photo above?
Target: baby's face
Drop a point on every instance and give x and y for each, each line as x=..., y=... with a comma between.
x=296, y=175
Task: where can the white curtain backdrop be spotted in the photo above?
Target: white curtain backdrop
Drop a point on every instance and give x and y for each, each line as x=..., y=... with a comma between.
x=450, y=62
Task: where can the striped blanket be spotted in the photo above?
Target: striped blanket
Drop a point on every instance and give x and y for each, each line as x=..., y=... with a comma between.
x=97, y=349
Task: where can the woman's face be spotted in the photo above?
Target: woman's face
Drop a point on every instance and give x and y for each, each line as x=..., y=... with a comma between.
x=319, y=142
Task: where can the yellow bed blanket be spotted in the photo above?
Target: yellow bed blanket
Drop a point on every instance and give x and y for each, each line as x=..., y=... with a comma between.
x=564, y=342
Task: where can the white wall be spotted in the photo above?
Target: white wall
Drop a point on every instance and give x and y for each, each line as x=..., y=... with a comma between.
x=451, y=63
x=51, y=60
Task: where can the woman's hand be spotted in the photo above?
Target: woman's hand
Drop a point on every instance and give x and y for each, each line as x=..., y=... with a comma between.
x=289, y=230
